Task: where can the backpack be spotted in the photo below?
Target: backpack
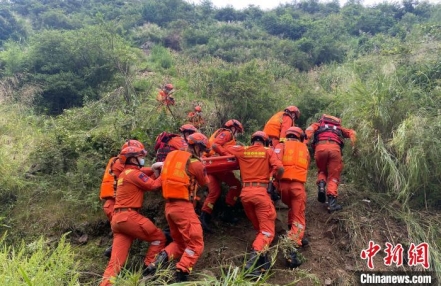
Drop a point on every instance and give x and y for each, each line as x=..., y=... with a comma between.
x=330, y=127
x=161, y=145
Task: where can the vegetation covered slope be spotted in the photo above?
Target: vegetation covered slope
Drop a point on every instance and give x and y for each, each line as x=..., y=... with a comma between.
x=75, y=85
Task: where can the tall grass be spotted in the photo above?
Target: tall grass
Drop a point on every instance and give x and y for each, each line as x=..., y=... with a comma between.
x=226, y=274
x=38, y=263
x=397, y=121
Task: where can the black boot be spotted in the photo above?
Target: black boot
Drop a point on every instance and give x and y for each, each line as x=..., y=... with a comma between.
x=181, y=276
x=332, y=204
x=160, y=259
x=251, y=267
x=321, y=195
x=305, y=242
x=228, y=215
x=252, y=260
x=205, y=219
x=108, y=252
x=264, y=263
x=293, y=261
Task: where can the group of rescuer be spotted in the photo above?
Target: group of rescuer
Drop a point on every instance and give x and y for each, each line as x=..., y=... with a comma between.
x=277, y=157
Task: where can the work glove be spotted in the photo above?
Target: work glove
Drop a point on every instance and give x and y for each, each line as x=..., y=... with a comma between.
x=157, y=168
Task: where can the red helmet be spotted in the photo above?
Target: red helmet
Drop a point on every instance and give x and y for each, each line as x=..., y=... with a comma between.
x=293, y=109
x=198, y=108
x=168, y=86
x=259, y=134
x=198, y=138
x=187, y=128
x=132, y=142
x=131, y=151
x=234, y=123
x=296, y=131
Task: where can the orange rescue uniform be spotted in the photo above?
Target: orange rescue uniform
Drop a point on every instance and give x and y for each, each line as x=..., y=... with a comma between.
x=221, y=139
x=180, y=176
x=256, y=164
x=327, y=155
x=295, y=158
x=277, y=126
x=175, y=143
x=128, y=224
x=165, y=98
x=195, y=118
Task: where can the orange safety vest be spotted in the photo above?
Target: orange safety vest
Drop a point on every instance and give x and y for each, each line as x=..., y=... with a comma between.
x=295, y=161
x=213, y=137
x=274, y=125
x=108, y=184
x=175, y=179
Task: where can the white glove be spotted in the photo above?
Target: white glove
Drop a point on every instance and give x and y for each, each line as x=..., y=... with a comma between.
x=157, y=168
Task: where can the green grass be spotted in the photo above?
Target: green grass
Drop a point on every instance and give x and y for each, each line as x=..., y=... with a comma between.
x=38, y=263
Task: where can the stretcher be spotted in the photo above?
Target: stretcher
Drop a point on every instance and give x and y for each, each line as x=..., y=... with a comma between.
x=217, y=164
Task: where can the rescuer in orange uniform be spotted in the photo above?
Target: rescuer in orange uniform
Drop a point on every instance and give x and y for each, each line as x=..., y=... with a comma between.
x=195, y=117
x=174, y=142
x=219, y=140
x=108, y=185
x=165, y=95
x=186, y=130
x=127, y=223
x=256, y=163
x=328, y=142
x=181, y=174
x=279, y=123
x=294, y=155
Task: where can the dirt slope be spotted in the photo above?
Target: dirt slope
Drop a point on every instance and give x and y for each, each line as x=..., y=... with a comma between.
x=335, y=241
x=332, y=256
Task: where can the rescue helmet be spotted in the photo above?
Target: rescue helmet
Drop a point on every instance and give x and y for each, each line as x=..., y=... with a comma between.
x=132, y=142
x=188, y=128
x=234, y=123
x=197, y=108
x=198, y=138
x=295, y=132
x=131, y=151
x=293, y=110
x=260, y=136
x=168, y=86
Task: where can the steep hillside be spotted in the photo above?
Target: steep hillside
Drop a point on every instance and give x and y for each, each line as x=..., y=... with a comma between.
x=331, y=258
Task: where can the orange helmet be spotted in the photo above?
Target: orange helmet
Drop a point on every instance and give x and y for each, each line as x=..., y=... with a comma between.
x=188, y=128
x=296, y=132
x=198, y=138
x=132, y=142
x=260, y=135
x=131, y=151
x=234, y=123
x=198, y=108
x=293, y=109
x=168, y=86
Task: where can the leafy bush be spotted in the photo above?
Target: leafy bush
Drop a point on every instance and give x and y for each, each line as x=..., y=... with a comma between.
x=161, y=57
